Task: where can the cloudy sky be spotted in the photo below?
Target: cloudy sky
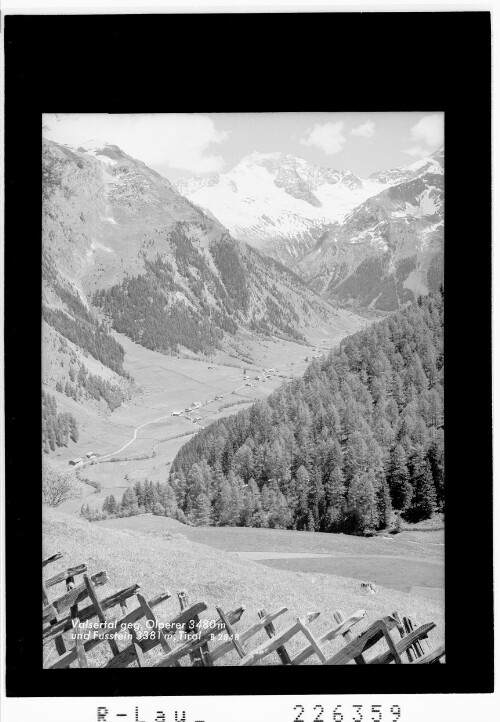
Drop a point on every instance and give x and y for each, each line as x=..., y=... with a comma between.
x=179, y=145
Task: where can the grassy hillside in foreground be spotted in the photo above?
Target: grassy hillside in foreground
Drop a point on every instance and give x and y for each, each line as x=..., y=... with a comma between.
x=171, y=562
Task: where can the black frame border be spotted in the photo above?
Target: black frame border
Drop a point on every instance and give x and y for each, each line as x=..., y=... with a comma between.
x=280, y=62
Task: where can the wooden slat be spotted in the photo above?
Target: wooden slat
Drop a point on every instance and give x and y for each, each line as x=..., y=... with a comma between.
x=64, y=575
x=392, y=646
x=121, y=624
x=70, y=584
x=335, y=632
x=137, y=648
x=64, y=625
x=58, y=639
x=432, y=657
x=404, y=644
x=51, y=559
x=191, y=645
x=159, y=599
x=348, y=635
x=149, y=614
x=424, y=641
x=314, y=643
x=128, y=654
x=271, y=645
x=100, y=612
x=135, y=640
x=410, y=626
x=200, y=657
x=232, y=634
x=76, y=595
x=226, y=647
x=271, y=632
x=402, y=631
x=48, y=613
x=359, y=645
x=79, y=652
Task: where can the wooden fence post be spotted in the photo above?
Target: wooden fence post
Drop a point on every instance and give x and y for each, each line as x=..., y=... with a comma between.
x=149, y=614
x=59, y=641
x=410, y=626
x=339, y=618
x=232, y=634
x=200, y=657
x=271, y=632
x=402, y=631
x=99, y=611
x=80, y=648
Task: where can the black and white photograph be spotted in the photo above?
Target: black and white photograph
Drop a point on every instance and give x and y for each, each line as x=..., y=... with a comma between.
x=248, y=401
x=243, y=377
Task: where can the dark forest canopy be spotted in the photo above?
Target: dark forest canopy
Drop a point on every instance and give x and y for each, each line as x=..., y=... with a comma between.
x=57, y=428
x=342, y=449
x=89, y=336
x=195, y=297
x=78, y=324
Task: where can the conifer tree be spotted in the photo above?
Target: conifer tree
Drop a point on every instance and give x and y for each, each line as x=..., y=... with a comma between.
x=311, y=525
x=302, y=485
x=112, y=505
x=335, y=500
x=201, y=511
x=361, y=502
x=73, y=429
x=435, y=457
x=399, y=480
x=384, y=505
x=423, y=502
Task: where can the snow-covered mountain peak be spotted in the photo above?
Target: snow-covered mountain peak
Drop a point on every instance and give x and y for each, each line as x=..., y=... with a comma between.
x=257, y=158
x=283, y=203
x=96, y=144
x=102, y=150
x=433, y=163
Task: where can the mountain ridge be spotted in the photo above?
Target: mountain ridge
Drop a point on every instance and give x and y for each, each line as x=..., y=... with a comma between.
x=295, y=211
x=113, y=226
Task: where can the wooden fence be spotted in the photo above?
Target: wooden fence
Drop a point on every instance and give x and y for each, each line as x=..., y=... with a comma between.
x=80, y=620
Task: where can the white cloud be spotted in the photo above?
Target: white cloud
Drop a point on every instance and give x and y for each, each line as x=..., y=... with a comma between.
x=418, y=152
x=365, y=130
x=182, y=141
x=428, y=133
x=328, y=137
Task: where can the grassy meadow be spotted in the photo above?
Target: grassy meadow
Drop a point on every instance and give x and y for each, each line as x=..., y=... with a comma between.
x=166, y=557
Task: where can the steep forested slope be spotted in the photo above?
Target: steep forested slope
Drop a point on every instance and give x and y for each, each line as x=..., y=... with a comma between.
x=194, y=294
x=160, y=269
x=360, y=435
x=57, y=428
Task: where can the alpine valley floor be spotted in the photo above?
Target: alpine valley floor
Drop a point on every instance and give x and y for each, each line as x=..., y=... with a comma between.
x=140, y=439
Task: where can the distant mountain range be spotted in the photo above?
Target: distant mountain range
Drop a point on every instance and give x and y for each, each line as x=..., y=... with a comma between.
x=364, y=242
x=123, y=248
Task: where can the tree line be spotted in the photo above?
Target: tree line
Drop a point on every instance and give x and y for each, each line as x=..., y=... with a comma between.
x=83, y=384
x=141, y=498
x=89, y=336
x=355, y=443
x=196, y=297
x=57, y=428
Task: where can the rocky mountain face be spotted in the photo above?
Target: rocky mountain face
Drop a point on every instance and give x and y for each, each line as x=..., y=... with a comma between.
x=278, y=203
x=123, y=247
x=376, y=242
x=387, y=251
